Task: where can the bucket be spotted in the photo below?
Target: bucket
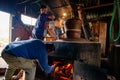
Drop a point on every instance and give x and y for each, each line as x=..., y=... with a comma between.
x=73, y=28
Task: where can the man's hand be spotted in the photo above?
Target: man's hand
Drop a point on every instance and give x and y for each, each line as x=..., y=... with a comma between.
x=51, y=16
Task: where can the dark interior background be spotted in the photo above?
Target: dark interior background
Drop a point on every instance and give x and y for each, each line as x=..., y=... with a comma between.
x=98, y=8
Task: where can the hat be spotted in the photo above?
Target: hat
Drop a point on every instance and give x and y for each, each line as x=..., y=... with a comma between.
x=43, y=6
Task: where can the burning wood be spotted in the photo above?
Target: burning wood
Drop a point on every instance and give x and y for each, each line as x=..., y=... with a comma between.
x=63, y=71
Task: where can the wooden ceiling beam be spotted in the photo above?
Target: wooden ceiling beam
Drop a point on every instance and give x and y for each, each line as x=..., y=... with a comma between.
x=98, y=6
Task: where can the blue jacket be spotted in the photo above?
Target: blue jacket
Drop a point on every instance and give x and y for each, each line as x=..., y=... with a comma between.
x=30, y=49
x=40, y=25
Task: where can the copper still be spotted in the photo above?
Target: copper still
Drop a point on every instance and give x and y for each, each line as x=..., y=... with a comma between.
x=73, y=28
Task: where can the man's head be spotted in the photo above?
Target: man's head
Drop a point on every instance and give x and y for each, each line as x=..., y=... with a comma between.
x=50, y=48
x=43, y=9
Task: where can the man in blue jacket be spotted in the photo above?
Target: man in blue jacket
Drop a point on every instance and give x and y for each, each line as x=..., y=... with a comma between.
x=21, y=54
x=39, y=28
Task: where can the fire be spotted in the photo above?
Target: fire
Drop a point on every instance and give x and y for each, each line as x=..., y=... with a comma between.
x=63, y=71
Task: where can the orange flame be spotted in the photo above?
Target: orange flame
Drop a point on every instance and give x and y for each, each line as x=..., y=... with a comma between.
x=63, y=71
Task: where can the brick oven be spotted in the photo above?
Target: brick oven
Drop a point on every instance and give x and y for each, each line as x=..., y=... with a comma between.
x=82, y=55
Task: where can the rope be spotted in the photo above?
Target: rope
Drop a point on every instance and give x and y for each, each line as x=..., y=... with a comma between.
x=112, y=20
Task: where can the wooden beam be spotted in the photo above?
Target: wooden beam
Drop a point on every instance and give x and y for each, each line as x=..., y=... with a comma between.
x=98, y=6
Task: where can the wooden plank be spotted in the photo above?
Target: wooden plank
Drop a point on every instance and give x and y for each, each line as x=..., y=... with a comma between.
x=99, y=30
x=102, y=36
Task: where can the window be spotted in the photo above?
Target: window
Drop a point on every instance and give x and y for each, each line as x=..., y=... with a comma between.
x=28, y=20
x=4, y=29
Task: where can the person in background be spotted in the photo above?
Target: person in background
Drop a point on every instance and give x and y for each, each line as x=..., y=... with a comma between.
x=22, y=54
x=38, y=30
x=51, y=31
